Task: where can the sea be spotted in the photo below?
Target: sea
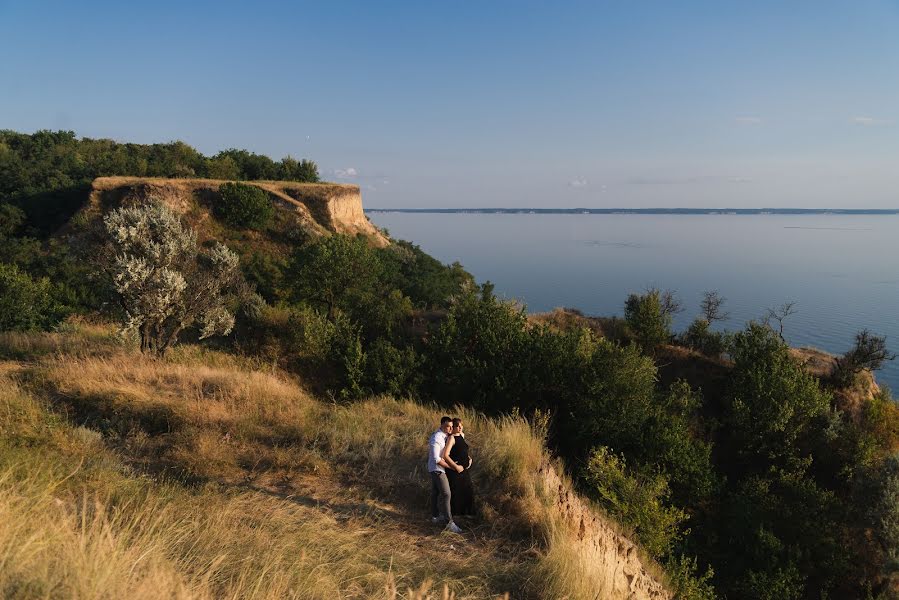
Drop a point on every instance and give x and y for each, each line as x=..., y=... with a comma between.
x=840, y=271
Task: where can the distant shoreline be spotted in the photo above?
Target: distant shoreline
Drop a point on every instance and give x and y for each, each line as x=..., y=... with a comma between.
x=644, y=211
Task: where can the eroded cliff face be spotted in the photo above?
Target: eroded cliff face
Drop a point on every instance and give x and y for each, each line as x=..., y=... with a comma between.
x=612, y=565
x=319, y=208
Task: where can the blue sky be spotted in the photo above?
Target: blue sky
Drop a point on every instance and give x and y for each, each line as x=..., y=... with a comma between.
x=456, y=104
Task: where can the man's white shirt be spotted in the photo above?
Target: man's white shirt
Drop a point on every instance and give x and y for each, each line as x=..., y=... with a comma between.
x=437, y=443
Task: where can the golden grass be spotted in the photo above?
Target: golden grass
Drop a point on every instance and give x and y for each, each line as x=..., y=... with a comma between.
x=270, y=493
x=76, y=337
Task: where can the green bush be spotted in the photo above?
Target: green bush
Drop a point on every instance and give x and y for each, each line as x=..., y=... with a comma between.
x=392, y=370
x=685, y=581
x=244, y=206
x=771, y=401
x=480, y=354
x=699, y=336
x=648, y=319
x=635, y=499
x=26, y=303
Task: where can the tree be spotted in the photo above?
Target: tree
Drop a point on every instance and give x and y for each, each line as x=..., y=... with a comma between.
x=772, y=400
x=26, y=303
x=711, y=307
x=223, y=167
x=336, y=272
x=164, y=285
x=11, y=220
x=779, y=315
x=244, y=206
x=479, y=354
x=637, y=499
x=649, y=316
x=870, y=352
x=289, y=169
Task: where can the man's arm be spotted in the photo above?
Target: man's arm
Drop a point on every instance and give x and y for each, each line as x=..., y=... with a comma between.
x=436, y=450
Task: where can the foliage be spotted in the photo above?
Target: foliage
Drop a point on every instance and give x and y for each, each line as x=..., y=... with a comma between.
x=781, y=507
x=478, y=354
x=392, y=370
x=699, y=336
x=25, y=303
x=429, y=283
x=46, y=173
x=345, y=274
x=11, y=219
x=648, y=318
x=244, y=206
x=686, y=583
x=251, y=166
x=636, y=499
x=163, y=284
x=869, y=352
x=772, y=400
x=882, y=513
x=266, y=273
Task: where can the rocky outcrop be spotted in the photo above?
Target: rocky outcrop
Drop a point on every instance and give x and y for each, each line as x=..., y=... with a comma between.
x=319, y=208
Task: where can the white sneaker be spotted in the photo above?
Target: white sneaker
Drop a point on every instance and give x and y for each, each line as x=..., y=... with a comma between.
x=454, y=528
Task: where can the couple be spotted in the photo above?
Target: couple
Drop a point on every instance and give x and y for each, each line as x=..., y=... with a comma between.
x=448, y=464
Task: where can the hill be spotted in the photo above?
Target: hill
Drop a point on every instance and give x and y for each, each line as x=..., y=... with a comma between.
x=305, y=208
x=202, y=475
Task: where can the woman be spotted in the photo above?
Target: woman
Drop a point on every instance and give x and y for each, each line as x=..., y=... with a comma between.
x=457, y=456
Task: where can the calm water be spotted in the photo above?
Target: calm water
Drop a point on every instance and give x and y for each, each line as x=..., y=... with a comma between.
x=842, y=271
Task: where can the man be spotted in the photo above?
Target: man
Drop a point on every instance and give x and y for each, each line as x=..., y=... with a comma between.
x=440, y=490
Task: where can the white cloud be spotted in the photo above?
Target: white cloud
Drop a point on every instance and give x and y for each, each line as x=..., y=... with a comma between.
x=749, y=120
x=689, y=180
x=348, y=173
x=578, y=182
x=870, y=121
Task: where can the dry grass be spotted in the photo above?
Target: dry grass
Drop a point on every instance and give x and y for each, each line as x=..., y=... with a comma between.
x=199, y=476
x=75, y=338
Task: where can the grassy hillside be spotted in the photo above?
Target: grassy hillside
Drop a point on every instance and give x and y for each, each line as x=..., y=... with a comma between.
x=202, y=476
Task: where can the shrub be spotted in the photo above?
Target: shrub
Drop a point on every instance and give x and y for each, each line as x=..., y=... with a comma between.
x=164, y=286
x=772, y=400
x=479, y=354
x=636, y=499
x=869, y=352
x=26, y=303
x=648, y=318
x=392, y=370
x=11, y=219
x=883, y=513
x=699, y=336
x=244, y=206
x=685, y=581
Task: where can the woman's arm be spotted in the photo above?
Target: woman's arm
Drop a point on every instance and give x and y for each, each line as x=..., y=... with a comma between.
x=446, y=455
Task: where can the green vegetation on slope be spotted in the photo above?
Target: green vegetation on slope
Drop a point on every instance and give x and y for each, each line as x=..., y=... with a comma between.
x=740, y=470
x=198, y=476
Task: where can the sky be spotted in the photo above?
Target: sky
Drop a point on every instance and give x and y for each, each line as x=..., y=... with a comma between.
x=491, y=103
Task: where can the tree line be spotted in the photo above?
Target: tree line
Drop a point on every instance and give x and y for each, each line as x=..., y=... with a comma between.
x=46, y=173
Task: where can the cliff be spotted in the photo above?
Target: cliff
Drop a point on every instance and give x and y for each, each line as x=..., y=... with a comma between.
x=313, y=208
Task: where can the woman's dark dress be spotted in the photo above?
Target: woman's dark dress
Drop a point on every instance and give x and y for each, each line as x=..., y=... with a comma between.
x=461, y=492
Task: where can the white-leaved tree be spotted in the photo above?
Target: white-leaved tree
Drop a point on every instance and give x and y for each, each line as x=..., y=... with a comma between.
x=164, y=284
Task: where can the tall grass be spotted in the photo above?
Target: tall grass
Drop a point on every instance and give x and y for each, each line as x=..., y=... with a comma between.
x=199, y=476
